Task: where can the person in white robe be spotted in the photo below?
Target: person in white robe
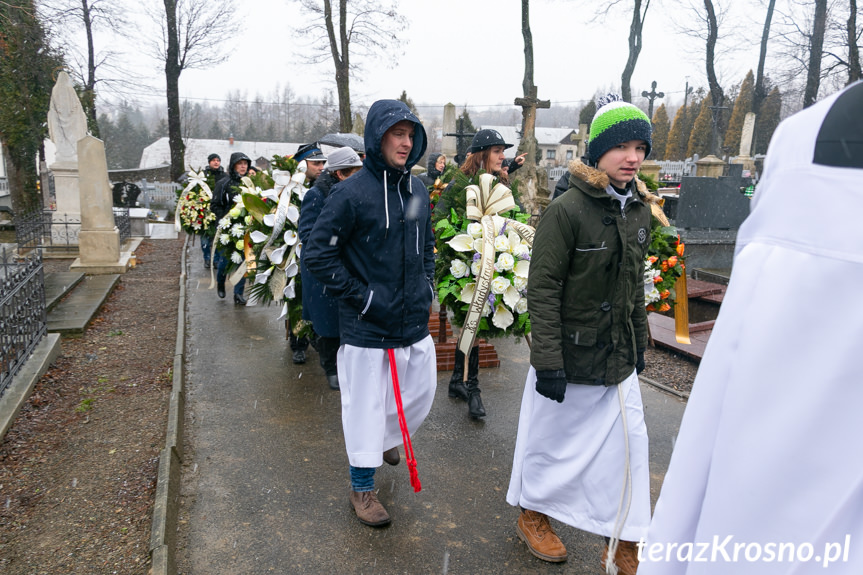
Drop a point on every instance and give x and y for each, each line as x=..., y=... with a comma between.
x=581, y=455
x=766, y=475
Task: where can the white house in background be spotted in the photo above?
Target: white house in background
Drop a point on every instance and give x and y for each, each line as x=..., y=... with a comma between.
x=159, y=152
x=556, y=144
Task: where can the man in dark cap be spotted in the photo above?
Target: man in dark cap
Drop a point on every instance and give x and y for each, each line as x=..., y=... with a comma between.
x=315, y=161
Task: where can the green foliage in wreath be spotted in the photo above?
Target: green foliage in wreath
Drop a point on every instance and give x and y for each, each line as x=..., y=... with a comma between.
x=455, y=271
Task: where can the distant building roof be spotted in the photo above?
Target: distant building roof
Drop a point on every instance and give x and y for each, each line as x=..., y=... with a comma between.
x=544, y=136
x=159, y=153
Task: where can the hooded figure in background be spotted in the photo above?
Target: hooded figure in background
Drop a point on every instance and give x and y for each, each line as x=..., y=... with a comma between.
x=373, y=249
x=434, y=171
x=221, y=204
x=765, y=457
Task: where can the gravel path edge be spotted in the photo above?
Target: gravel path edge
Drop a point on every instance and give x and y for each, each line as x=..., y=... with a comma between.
x=163, y=531
x=681, y=394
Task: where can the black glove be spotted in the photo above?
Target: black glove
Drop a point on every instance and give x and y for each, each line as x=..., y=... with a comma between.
x=551, y=383
x=639, y=363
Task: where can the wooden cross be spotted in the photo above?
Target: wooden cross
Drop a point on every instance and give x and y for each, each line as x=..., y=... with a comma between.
x=532, y=102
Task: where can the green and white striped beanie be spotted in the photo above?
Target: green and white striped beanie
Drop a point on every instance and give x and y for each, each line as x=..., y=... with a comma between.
x=616, y=122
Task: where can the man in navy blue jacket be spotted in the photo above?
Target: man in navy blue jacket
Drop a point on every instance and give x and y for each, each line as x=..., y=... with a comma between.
x=373, y=249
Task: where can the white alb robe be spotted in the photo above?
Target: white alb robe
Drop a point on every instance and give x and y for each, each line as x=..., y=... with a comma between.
x=569, y=457
x=369, y=417
x=769, y=448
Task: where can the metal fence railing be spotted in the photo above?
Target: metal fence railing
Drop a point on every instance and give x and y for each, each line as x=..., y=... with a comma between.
x=47, y=230
x=121, y=220
x=158, y=195
x=23, y=319
x=53, y=231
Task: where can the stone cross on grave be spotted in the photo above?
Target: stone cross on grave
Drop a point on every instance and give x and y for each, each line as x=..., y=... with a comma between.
x=463, y=140
x=651, y=96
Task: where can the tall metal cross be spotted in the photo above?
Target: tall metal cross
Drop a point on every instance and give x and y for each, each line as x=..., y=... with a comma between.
x=651, y=96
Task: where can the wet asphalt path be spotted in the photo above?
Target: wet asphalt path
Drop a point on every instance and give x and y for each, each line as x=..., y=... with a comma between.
x=265, y=477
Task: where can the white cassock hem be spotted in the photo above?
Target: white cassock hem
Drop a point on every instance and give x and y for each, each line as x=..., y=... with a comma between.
x=369, y=415
x=569, y=457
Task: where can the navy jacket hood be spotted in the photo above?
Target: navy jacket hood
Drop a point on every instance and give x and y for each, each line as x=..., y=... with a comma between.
x=236, y=157
x=383, y=115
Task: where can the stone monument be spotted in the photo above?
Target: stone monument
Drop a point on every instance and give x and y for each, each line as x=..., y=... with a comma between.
x=746, y=143
x=66, y=125
x=99, y=239
x=448, y=143
x=709, y=167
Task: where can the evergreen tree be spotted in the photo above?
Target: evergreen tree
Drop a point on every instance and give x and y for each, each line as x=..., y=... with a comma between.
x=161, y=129
x=587, y=113
x=767, y=121
x=215, y=132
x=26, y=66
x=108, y=133
x=675, y=147
x=408, y=102
x=702, y=131
x=661, y=127
x=742, y=105
x=464, y=124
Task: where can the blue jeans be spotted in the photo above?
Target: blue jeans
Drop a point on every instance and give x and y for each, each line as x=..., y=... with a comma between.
x=206, y=246
x=362, y=478
x=221, y=264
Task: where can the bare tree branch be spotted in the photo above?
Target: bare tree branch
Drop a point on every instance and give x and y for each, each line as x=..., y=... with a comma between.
x=360, y=29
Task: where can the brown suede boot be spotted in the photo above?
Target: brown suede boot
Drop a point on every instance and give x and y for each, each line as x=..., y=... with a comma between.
x=626, y=558
x=368, y=509
x=535, y=530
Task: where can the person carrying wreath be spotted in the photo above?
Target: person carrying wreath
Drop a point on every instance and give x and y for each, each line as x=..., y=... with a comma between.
x=223, y=200
x=486, y=153
x=581, y=454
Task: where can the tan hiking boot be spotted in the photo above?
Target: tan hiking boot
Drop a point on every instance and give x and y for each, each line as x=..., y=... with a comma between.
x=626, y=558
x=535, y=530
x=368, y=509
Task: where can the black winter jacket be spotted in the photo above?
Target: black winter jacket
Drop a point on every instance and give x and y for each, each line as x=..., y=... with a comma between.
x=223, y=195
x=372, y=245
x=431, y=174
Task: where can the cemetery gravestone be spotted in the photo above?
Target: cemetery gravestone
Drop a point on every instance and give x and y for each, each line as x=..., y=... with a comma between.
x=99, y=239
x=708, y=213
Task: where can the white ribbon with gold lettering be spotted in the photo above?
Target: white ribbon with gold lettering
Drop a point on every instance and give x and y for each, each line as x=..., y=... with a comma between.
x=484, y=202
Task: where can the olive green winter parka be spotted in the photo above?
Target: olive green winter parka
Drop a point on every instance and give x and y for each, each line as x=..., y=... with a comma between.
x=586, y=283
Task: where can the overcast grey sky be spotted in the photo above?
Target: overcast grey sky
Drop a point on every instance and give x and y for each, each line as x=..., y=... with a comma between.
x=471, y=52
